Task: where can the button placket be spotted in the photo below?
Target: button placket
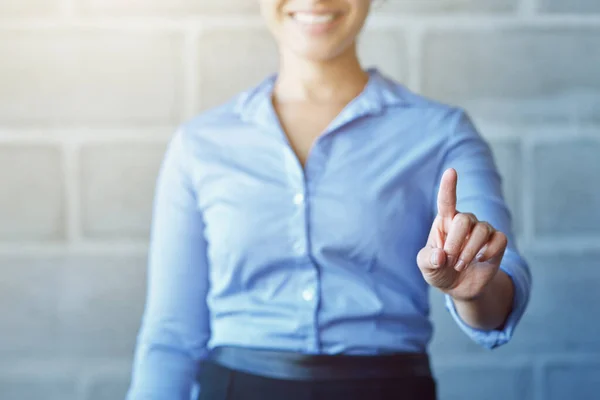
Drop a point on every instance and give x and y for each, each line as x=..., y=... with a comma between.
x=300, y=180
x=309, y=296
x=299, y=224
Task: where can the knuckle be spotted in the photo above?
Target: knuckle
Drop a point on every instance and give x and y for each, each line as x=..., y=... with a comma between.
x=486, y=228
x=462, y=220
x=502, y=238
x=472, y=218
x=481, y=227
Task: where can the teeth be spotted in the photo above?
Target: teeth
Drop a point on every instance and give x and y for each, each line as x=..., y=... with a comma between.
x=313, y=19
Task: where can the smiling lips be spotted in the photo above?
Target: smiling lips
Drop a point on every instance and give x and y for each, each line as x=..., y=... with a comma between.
x=316, y=23
x=313, y=18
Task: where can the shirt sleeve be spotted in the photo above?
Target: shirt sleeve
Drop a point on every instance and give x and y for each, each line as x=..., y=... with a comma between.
x=479, y=191
x=175, y=326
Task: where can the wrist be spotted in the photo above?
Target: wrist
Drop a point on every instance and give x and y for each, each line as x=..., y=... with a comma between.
x=489, y=308
x=498, y=280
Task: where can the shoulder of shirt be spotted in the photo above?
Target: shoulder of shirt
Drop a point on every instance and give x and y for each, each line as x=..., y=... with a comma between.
x=398, y=98
x=215, y=117
x=224, y=116
x=394, y=96
x=397, y=94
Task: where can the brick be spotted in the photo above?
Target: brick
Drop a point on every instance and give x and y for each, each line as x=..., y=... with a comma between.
x=37, y=387
x=491, y=382
x=508, y=160
x=445, y=6
x=503, y=74
x=108, y=388
x=22, y=8
x=566, y=201
x=572, y=381
x=385, y=50
x=101, y=304
x=117, y=188
x=32, y=207
x=564, y=285
x=90, y=76
x=29, y=307
x=232, y=61
x=571, y=6
x=71, y=305
x=174, y=7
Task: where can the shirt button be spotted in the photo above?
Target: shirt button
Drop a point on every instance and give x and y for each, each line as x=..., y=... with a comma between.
x=308, y=294
x=299, y=199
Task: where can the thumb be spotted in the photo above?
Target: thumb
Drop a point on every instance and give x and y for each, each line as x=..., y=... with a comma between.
x=430, y=258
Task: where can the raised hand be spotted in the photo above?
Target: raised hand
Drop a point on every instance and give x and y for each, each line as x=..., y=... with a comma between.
x=462, y=254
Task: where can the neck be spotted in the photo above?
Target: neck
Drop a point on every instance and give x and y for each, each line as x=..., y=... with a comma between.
x=336, y=80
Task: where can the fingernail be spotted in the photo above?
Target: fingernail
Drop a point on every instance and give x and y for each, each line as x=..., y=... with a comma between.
x=434, y=258
x=451, y=261
x=460, y=265
x=479, y=255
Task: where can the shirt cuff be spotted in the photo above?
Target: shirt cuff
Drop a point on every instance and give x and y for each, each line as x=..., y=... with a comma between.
x=518, y=271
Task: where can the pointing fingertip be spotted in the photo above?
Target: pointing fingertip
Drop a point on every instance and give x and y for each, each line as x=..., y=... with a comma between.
x=450, y=171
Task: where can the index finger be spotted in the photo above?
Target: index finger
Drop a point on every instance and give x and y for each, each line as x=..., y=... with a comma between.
x=447, y=194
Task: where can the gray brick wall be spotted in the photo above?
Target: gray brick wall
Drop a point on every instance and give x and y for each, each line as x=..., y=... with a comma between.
x=91, y=90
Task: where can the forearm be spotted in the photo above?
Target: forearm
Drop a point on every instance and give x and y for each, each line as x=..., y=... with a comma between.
x=162, y=372
x=491, y=309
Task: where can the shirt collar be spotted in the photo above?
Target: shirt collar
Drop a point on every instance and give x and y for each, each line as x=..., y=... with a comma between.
x=255, y=105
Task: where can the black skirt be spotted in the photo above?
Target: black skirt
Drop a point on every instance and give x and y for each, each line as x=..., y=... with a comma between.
x=268, y=376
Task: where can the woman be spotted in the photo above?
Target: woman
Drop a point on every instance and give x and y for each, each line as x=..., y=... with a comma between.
x=297, y=229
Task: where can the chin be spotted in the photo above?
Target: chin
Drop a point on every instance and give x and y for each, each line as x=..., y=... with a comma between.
x=318, y=36
x=321, y=49
x=317, y=54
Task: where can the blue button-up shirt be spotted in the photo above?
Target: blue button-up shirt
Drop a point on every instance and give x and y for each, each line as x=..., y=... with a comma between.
x=248, y=248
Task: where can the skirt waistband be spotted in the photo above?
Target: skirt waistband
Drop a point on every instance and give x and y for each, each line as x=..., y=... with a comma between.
x=312, y=367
